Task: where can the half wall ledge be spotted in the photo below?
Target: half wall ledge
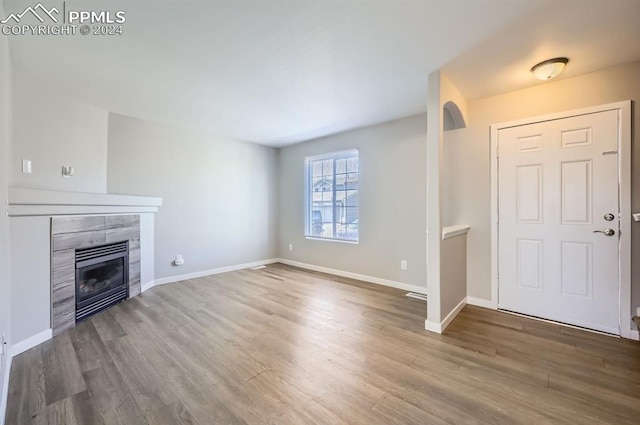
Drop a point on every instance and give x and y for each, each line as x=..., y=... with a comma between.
x=455, y=230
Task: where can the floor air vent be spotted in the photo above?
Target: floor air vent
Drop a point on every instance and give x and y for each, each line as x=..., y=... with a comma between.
x=417, y=296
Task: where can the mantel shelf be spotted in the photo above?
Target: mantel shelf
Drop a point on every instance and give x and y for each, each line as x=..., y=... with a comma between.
x=36, y=202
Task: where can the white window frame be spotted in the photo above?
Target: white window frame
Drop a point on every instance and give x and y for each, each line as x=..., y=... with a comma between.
x=308, y=193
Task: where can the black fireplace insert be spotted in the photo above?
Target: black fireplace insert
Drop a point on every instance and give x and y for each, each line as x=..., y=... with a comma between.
x=102, y=278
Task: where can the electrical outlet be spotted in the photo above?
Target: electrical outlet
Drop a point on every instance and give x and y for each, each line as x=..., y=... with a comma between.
x=636, y=216
x=403, y=264
x=290, y=247
x=638, y=312
x=67, y=171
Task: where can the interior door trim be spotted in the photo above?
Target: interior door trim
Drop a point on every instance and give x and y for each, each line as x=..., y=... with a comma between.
x=624, y=178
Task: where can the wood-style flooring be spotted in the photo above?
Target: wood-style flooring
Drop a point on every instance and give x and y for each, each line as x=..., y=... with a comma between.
x=281, y=345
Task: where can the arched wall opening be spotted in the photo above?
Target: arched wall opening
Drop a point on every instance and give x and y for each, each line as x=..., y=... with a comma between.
x=452, y=117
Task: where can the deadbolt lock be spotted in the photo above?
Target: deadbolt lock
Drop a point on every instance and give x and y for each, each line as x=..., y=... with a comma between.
x=609, y=217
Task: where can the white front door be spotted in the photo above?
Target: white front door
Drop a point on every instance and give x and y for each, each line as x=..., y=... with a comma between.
x=558, y=193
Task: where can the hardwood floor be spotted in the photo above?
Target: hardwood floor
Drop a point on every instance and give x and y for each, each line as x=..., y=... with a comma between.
x=285, y=346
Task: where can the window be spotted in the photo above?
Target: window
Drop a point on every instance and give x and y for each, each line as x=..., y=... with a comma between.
x=332, y=196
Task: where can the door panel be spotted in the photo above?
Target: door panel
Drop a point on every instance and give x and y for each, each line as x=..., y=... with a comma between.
x=577, y=268
x=557, y=180
x=530, y=264
x=529, y=193
x=576, y=190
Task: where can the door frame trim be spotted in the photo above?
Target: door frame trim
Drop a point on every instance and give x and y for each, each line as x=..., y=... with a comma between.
x=624, y=176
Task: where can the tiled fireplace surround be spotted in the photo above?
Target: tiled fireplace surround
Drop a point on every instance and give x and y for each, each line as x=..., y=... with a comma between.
x=71, y=233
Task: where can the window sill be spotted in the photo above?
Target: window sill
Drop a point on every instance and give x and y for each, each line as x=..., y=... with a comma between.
x=315, y=238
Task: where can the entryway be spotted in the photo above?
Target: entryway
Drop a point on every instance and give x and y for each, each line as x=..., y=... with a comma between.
x=560, y=219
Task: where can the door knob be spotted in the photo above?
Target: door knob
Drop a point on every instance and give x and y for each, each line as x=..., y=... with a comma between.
x=606, y=232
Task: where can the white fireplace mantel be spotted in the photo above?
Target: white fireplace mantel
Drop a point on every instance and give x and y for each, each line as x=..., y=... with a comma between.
x=35, y=202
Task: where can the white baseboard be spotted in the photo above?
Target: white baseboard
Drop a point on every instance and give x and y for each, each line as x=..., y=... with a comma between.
x=433, y=326
x=357, y=276
x=370, y=279
x=440, y=327
x=178, y=278
x=147, y=286
x=635, y=335
x=4, y=395
x=32, y=341
x=481, y=302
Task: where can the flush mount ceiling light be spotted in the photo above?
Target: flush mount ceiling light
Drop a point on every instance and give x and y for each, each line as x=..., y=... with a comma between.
x=549, y=69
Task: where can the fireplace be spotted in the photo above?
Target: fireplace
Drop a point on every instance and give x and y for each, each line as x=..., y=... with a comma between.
x=86, y=251
x=102, y=277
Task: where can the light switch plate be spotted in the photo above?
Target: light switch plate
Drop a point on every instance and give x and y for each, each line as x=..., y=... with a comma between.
x=636, y=216
x=26, y=166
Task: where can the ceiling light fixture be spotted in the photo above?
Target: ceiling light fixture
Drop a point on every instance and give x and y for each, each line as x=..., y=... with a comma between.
x=549, y=69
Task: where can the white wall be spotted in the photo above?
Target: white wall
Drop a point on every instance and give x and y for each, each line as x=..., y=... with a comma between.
x=218, y=193
x=392, y=196
x=445, y=291
x=435, y=129
x=470, y=188
x=53, y=129
x=5, y=251
x=31, y=272
x=147, y=248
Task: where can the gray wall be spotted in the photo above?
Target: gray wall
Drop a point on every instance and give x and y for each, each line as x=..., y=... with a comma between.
x=218, y=193
x=5, y=251
x=53, y=129
x=392, y=221
x=470, y=188
x=453, y=273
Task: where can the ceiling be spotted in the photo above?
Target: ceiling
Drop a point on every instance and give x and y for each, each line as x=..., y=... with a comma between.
x=277, y=72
